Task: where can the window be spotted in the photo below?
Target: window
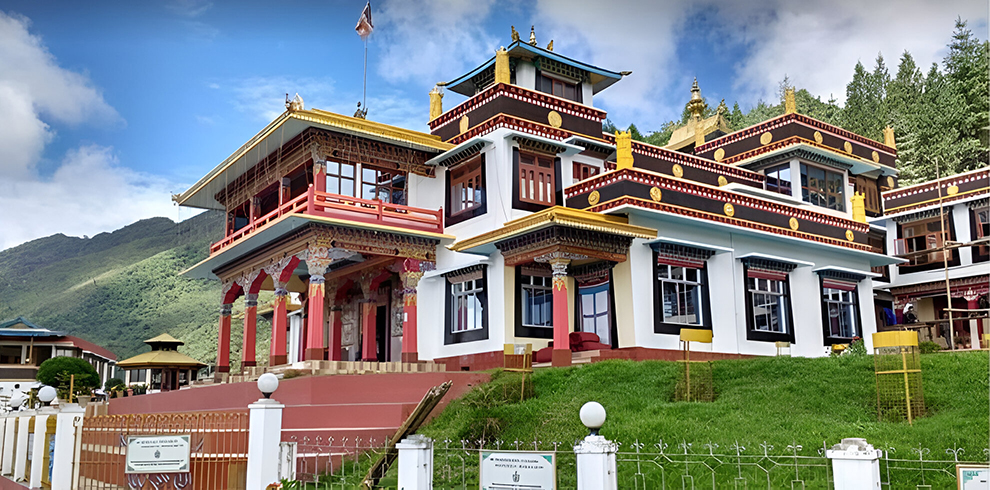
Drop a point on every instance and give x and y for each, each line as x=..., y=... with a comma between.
x=768, y=298
x=823, y=187
x=584, y=171
x=467, y=311
x=920, y=235
x=981, y=230
x=466, y=187
x=840, y=307
x=536, y=179
x=340, y=178
x=537, y=301
x=680, y=290
x=779, y=178
x=383, y=185
x=595, y=311
x=560, y=88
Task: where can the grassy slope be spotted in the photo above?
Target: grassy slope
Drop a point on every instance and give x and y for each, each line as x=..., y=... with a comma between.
x=118, y=289
x=779, y=400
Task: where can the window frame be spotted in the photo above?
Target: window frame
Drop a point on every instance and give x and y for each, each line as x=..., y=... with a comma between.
x=934, y=259
x=480, y=207
x=473, y=335
x=823, y=286
x=525, y=204
x=542, y=78
x=765, y=335
x=980, y=253
x=469, y=291
x=358, y=181
x=660, y=325
x=578, y=168
x=530, y=331
x=777, y=170
x=823, y=193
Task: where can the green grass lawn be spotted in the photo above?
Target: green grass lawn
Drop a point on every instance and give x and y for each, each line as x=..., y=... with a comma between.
x=779, y=401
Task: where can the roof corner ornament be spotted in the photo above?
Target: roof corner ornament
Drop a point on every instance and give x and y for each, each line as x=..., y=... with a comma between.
x=722, y=108
x=361, y=113
x=888, y=137
x=436, y=102
x=502, y=71
x=550, y=46
x=623, y=150
x=790, y=101
x=532, y=35
x=515, y=34
x=296, y=104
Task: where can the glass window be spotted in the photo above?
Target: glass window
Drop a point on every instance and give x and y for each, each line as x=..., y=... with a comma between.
x=466, y=306
x=768, y=299
x=340, y=178
x=779, y=178
x=982, y=223
x=386, y=186
x=594, y=311
x=680, y=289
x=582, y=171
x=840, y=305
x=537, y=301
x=536, y=179
x=466, y=190
x=823, y=188
x=558, y=87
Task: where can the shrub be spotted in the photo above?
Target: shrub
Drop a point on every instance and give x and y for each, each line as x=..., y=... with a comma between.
x=113, y=383
x=927, y=347
x=58, y=371
x=856, y=348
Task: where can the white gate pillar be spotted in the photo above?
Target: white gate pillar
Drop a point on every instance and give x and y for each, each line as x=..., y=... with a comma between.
x=7, y=464
x=65, y=446
x=40, y=445
x=21, y=445
x=855, y=465
x=415, y=463
x=595, y=455
x=264, y=436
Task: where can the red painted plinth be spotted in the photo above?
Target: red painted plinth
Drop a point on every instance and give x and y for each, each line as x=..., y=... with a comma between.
x=409, y=344
x=314, y=332
x=280, y=323
x=561, y=326
x=560, y=357
x=223, y=345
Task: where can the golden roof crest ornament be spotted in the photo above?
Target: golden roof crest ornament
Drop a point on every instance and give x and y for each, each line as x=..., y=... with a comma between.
x=888, y=137
x=296, y=104
x=790, y=101
x=532, y=35
x=550, y=46
x=515, y=34
x=623, y=150
x=503, y=73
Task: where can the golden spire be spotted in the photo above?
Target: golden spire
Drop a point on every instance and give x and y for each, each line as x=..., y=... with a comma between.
x=888, y=137
x=436, y=103
x=550, y=46
x=502, y=73
x=790, y=102
x=623, y=150
x=515, y=34
x=696, y=106
x=532, y=35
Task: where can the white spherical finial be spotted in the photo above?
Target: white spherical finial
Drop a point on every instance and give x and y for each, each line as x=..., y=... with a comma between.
x=593, y=416
x=267, y=384
x=46, y=394
x=17, y=400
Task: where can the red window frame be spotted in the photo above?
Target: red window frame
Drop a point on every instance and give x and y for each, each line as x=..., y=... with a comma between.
x=466, y=188
x=537, y=182
x=582, y=171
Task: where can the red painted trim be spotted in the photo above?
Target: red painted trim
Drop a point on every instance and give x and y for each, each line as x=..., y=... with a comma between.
x=764, y=274
x=558, y=104
x=843, y=285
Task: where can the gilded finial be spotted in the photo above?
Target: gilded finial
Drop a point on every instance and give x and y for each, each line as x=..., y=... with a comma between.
x=888, y=137
x=436, y=103
x=623, y=150
x=722, y=108
x=503, y=73
x=696, y=106
x=515, y=34
x=790, y=102
x=550, y=46
x=532, y=35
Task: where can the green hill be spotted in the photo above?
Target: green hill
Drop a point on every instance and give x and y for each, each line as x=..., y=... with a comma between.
x=118, y=289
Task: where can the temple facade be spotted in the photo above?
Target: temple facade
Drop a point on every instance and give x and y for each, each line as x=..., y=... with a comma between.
x=517, y=220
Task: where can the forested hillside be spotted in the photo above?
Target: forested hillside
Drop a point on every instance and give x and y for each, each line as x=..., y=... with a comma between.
x=118, y=289
x=941, y=112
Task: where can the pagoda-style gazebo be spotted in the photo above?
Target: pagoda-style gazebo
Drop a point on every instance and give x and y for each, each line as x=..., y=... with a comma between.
x=164, y=368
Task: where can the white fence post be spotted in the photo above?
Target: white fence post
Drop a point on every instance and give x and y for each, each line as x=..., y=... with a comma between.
x=39, y=447
x=65, y=446
x=264, y=436
x=415, y=463
x=595, y=458
x=855, y=465
x=21, y=445
x=287, y=460
x=7, y=465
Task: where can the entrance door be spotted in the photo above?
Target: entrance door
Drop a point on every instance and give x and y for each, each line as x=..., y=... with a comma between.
x=595, y=311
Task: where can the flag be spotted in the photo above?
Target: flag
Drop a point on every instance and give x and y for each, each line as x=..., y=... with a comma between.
x=364, y=25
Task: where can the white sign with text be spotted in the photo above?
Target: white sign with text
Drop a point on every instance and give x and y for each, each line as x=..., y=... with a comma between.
x=518, y=470
x=157, y=454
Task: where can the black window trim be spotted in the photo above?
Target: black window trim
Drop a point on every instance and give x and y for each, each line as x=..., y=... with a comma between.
x=450, y=337
x=760, y=335
x=520, y=329
x=662, y=327
x=826, y=331
x=474, y=212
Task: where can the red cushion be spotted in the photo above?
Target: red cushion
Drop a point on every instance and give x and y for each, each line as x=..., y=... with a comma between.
x=577, y=337
x=593, y=346
x=543, y=355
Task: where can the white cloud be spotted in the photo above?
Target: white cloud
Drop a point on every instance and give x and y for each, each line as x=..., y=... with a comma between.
x=263, y=98
x=189, y=8
x=817, y=44
x=427, y=42
x=89, y=192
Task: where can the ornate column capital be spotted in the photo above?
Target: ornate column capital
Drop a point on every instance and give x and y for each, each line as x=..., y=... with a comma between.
x=250, y=300
x=246, y=280
x=226, y=309
x=558, y=265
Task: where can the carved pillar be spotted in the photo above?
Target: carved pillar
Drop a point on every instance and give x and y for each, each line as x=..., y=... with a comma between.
x=410, y=275
x=369, y=314
x=317, y=261
x=250, y=330
x=278, y=271
x=223, y=340
x=561, y=327
x=319, y=169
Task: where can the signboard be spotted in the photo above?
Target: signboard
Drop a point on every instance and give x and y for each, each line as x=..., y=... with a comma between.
x=157, y=454
x=973, y=477
x=518, y=470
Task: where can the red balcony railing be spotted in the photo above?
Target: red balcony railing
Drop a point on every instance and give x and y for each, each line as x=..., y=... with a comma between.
x=347, y=208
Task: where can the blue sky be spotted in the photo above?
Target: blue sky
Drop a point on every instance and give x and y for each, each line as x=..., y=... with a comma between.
x=107, y=107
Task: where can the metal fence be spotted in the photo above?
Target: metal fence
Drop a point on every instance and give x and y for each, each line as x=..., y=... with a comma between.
x=328, y=464
x=218, y=446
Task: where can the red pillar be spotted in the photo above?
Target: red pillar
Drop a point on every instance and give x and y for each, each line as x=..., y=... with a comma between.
x=280, y=323
x=335, y=332
x=368, y=319
x=223, y=346
x=314, y=334
x=250, y=330
x=410, y=275
x=320, y=175
x=561, y=354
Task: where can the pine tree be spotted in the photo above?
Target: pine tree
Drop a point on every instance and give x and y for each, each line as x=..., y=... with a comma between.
x=966, y=71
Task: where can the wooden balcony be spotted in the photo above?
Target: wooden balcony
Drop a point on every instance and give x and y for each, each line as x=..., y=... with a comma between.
x=347, y=208
x=921, y=249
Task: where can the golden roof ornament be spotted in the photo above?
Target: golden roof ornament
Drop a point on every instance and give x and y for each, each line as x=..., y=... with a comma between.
x=696, y=106
x=790, y=102
x=436, y=103
x=550, y=46
x=515, y=34
x=296, y=104
x=623, y=150
x=502, y=71
x=532, y=35
x=722, y=108
x=888, y=137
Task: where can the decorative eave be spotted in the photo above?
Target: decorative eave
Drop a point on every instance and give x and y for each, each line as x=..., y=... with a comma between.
x=557, y=215
x=757, y=129
x=558, y=104
x=795, y=146
x=685, y=159
x=589, y=144
x=515, y=124
x=460, y=153
x=958, y=187
x=288, y=125
x=545, y=145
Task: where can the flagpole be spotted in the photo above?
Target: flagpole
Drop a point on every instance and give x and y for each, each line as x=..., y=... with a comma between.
x=365, y=98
